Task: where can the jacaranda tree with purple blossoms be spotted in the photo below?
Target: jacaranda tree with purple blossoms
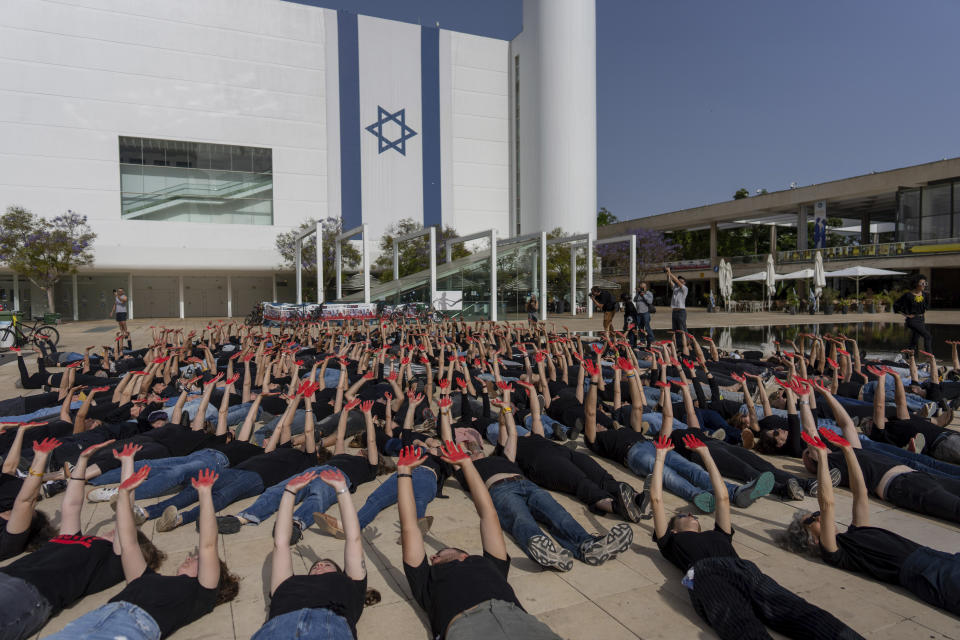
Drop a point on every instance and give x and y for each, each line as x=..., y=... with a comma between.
x=653, y=250
x=45, y=250
x=287, y=248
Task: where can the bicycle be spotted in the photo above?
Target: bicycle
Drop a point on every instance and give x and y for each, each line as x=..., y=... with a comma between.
x=255, y=318
x=16, y=336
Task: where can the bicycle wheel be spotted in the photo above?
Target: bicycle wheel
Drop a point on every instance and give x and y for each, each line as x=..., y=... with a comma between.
x=8, y=339
x=46, y=332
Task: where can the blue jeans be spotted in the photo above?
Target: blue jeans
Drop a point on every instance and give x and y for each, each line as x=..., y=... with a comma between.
x=316, y=496
x=549, y=427
x=112, y=621
x=652, y=395
x=521, y=505
x=656, y=423
x=24, y=610
x=385, y=496
x=305, y=623
x=39, y=414
x=914, y=402
x=643, y=323
x=232, y=486
x=680, y=476
x=235, y=414
x=168, y=473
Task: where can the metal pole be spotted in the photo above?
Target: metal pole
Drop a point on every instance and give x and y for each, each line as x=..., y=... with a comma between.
x=633, y=264
x=573, y=279
x=493, y=274
x=433, y=265
x=589, y=272
x=337, y=260
x=396, y=259
x=229, y=296
x=76, y=299
x=273, y=285
x=319, y=262
x=366, y=264
x=298, y=249
x=543, y=276
x=16, y=292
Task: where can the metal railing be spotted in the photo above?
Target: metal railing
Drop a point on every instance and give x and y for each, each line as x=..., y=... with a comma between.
x=858, y=252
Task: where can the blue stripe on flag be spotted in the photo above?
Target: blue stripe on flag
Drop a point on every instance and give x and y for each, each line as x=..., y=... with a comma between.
x=430, y=125
x=348, y=45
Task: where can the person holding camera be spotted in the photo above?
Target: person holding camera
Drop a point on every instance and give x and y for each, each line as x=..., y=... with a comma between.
x=119, y=310
x=678, y=301
x=644, y=305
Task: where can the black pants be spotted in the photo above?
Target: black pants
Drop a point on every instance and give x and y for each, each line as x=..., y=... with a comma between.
x=918, y=329
x=678, y=320
x=737, y=600
x=919, y=491
x=934, y=577
x=734, y=462
x=28, y=404
x=574, y=473
x=36, y=380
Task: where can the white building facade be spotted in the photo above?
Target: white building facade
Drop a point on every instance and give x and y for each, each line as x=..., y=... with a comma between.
x=192, y=133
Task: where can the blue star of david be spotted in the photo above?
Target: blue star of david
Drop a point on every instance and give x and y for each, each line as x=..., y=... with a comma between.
x=383, y=117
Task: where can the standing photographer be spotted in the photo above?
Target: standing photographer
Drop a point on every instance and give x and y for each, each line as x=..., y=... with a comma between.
x=120, y=309
x=678, y=301
x=603, y=301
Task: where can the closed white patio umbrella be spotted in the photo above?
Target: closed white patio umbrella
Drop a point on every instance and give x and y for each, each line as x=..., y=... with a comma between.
x=771, y=279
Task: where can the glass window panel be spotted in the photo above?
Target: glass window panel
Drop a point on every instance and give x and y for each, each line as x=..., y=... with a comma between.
x=241, y=159
x=936, y=200
x=182, y=154
x=131, y=150
x=909, y=215
x=219, y=157
x=131, y=179
x=936, y=227
x=262, y=160
x=154, y=152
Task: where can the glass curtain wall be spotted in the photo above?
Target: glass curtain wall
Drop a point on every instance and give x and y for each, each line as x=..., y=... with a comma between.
x=195, y=182
x=929, y=213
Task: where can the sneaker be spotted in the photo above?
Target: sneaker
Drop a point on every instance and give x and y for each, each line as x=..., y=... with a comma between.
x=705, y=501
x=228, y=524
x=571, y=444
x=835, y=477
x=625, y=503
x=329, y=525
x=917, y=443
x=813, y=488
x=747, y=494
x=168, y=520
x=296, y=533
x=139, y=513
x=575, y=431
x=52, y=488
x=643, y=499
x=596, y=552
x=719, y=434
x=102, y=494
x=794, y=490
x=546, y=554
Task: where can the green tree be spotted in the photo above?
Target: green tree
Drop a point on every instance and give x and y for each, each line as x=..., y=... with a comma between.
x=413, y=254
x=604, y=217
x=42, y=250
x=349, y=255
x=741, y=193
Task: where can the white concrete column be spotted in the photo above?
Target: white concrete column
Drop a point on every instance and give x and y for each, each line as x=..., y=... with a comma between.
x=573, y=279
x=273, y=283
x=16, y=292
x=338, y=263
x=589, y=274
x=180, y=285
x=396, y=260
x=633, y=264
x=319, y=262
x=493, y=275
x=449, y=252
x=366, y=261
x=76, y=298
x=298, y=253
x=130, y=315
x=543, y=276
x=433, y=265
x=229, y=296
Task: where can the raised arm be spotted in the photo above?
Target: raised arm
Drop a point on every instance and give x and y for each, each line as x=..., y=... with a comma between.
x=353, y=563
x=282, y=566
x=208, y=570
x=722, y=512
x=491, y=535
x=131, y=557
x=73, y=497
x=660, y=520
x=828, y=524
x=24, y=504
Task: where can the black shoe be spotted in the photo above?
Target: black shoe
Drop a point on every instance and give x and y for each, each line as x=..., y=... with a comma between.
x=228, y=524
x=575, y=430
x=52, y=488
x=643, y=498
x=296, y=535
x=625, y=503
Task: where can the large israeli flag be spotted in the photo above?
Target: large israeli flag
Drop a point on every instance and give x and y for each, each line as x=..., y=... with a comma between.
x=389, y=121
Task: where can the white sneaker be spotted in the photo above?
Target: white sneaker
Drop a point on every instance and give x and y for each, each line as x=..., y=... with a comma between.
x=102, y=494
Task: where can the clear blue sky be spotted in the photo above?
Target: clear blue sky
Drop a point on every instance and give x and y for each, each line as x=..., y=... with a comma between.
x=698, y=98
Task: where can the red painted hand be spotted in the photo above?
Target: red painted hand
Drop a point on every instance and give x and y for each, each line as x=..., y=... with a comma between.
x=46, y=445
x=204, y=479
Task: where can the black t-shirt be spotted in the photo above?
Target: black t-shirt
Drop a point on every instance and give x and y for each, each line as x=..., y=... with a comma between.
x=334, y=591
x=684, y=548
x=873, y=465
x=898, y=432
x=9, y=488
x=67, y=568
x=172, y=601
x=615, y=445
x=450, y=588
x=606, y=301
x=871, y=550
x=236, y=450
x=180, y=440
x=11, y=544
x=849, y=389
x=490, y=466
x=536, y=452
x=279, y=464
x=357, y=468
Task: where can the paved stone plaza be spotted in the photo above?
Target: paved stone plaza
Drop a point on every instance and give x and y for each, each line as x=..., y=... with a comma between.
x=638, y=595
